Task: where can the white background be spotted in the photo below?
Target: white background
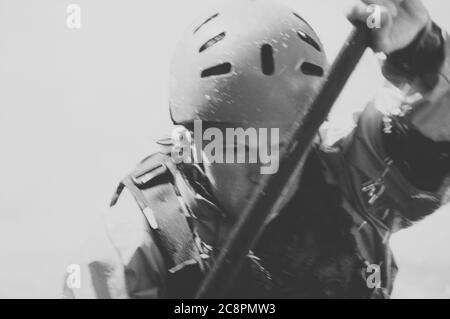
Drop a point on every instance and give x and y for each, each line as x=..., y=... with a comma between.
x=78, y=109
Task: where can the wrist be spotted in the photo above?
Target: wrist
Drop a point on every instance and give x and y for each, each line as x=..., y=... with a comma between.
x=423, y=56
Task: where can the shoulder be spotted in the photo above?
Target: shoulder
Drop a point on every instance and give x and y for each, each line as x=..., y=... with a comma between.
x=130, y=223
x=152, y=171
x=121, y=258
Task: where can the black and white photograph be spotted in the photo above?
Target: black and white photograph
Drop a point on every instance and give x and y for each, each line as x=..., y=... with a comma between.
x=224, y=154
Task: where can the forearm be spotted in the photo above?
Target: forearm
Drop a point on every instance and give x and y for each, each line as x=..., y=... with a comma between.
x=417, y=140
x=421, y=63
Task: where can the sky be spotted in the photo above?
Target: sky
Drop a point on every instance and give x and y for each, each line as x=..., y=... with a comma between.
x=79, y=108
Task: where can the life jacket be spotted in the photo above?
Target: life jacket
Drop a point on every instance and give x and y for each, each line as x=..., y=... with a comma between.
x=155, y=185
x=327, y=242
x=152, y=185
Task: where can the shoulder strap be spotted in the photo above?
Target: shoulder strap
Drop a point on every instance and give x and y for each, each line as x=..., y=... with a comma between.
x=152, y=186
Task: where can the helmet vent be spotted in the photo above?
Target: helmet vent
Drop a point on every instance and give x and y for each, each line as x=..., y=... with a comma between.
x=267, y=59
x=220, y=69
x=311, y=69
x=305, y=37
x=205, y=22
x=212, y=41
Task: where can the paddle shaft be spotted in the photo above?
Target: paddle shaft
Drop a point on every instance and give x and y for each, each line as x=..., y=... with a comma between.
x=265, y=201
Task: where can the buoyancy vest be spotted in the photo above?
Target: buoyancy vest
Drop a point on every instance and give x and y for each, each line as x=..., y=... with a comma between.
x=310, y=251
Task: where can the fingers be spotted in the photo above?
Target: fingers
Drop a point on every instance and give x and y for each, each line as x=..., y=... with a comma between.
x=390, y=5
x=377, y=15
x=394, y=23
x=358, y=12
x=395, y=3
x=365, y=12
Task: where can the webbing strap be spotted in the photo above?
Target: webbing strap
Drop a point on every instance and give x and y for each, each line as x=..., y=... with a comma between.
x=161, y=208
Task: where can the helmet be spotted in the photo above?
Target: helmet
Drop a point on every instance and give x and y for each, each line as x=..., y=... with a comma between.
x=252, y=63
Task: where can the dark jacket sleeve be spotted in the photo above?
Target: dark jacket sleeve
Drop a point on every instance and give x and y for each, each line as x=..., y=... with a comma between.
x=392, y=168
x=417, y=138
